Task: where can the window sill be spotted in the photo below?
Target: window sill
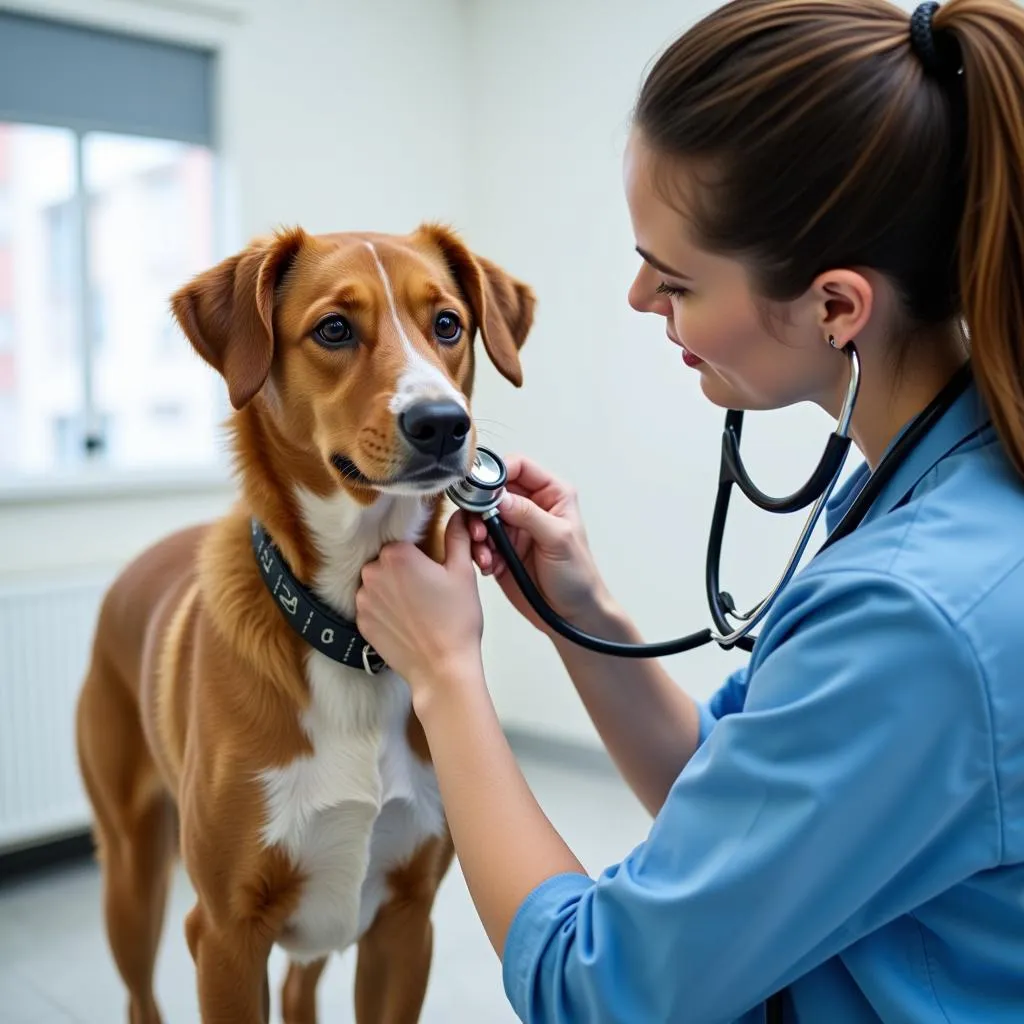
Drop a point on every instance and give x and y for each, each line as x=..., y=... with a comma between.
x=103, y=483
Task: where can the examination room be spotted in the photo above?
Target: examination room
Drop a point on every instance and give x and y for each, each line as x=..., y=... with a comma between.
x=511, y=510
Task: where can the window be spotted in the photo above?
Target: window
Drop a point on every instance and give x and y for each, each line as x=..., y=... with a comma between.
x=150, y=204
x=59, y=215
x=42, y=379
x=107, y=205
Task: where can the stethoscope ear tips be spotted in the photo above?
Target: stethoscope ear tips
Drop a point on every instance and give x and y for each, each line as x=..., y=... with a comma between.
x=482, y=490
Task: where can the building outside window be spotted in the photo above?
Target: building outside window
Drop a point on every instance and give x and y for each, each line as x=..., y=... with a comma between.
x=107, y=205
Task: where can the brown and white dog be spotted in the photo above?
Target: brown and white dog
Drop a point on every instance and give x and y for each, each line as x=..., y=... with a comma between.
x=299, y=789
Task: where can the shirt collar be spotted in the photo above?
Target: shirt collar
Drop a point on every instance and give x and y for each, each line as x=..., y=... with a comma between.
x=964, y=417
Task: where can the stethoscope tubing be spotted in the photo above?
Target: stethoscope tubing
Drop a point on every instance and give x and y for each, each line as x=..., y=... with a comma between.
x=818, y=489
x=481, y=497
x=505, y=548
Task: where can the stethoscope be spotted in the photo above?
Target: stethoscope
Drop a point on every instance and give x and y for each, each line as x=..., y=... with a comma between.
x=481, y=492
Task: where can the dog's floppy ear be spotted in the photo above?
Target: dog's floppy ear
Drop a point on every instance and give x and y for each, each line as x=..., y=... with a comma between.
x=502, y=306
x=227, y=312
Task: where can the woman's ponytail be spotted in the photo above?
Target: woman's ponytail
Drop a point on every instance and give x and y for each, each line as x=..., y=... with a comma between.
x=990, y=35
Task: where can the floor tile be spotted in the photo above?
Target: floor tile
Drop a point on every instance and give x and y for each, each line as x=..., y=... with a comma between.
x=22, y=1003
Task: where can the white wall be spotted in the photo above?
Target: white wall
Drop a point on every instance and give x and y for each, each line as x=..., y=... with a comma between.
x=553, y=85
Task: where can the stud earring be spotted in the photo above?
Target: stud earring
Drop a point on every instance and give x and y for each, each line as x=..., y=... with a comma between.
x=832, y=340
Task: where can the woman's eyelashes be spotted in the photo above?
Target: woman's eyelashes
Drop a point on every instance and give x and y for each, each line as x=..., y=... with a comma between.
x=672, y=290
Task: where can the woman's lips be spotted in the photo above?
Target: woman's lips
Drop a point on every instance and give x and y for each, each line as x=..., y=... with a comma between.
x=688, y=357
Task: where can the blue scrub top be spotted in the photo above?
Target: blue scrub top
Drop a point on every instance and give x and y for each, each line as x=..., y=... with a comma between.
x=851, y=827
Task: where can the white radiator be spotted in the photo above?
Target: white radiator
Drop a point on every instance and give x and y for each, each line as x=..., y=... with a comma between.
x=46, y=630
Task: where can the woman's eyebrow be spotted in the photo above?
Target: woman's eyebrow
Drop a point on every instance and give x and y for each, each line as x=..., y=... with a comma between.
x=663, y=267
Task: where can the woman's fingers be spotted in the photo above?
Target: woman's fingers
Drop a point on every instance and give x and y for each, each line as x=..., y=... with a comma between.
x=521, y=542
x=489, y=562
x=525, y=473
x=483, y=555
x=486, y=556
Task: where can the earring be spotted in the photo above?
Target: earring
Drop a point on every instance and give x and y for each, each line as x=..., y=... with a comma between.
x=832, y=341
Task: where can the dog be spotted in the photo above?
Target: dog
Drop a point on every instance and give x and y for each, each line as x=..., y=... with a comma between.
x=231, y=711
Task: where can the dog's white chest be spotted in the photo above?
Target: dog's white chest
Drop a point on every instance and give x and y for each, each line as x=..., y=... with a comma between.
x=355, y=809
x=362, y=803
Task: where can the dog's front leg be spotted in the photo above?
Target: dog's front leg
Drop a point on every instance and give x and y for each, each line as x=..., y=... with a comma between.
x=393, y=964
x=231, y=965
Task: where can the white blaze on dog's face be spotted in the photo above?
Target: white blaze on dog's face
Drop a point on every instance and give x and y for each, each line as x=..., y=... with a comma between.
x=420, y=377
x=362, y=346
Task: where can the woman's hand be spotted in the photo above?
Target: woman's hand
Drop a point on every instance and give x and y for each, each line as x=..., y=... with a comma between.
x=542, y=519
x=424, y=618
x=425, y=621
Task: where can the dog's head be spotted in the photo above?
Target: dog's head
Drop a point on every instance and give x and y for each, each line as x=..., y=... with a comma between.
x=360, y=347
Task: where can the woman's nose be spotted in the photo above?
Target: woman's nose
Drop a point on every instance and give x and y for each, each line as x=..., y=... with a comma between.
x=639, y=296
x=643, y=295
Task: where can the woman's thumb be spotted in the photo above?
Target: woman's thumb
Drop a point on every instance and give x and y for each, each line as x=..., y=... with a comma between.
x=546, y=529
x=457, y=542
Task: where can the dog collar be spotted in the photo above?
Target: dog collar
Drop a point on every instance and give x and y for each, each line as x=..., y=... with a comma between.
x=317, y=624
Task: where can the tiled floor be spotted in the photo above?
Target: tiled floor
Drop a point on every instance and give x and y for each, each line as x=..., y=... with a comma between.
x=55, y=967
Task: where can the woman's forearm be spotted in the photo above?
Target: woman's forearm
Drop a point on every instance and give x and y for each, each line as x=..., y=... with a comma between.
x=505, y=844
x=649, y=725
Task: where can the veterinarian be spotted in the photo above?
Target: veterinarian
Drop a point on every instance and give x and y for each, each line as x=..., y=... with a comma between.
x=838, y=833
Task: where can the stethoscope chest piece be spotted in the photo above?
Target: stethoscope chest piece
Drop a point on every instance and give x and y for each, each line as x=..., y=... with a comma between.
x=482, y=490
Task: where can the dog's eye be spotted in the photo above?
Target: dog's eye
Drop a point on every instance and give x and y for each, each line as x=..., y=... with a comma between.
x=333, y=332
x=447, y=327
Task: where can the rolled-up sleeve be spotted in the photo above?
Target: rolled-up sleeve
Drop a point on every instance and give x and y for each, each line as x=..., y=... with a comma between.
x=832, y=804
x=727, y=700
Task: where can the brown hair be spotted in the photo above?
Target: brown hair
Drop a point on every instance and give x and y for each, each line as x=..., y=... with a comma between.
x=833, y=142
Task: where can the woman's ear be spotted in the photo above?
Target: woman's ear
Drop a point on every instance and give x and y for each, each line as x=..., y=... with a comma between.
x=845, y=300
x=227, y=312
x=502, y=306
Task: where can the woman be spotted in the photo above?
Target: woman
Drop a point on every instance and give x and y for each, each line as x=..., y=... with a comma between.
x=843, y=823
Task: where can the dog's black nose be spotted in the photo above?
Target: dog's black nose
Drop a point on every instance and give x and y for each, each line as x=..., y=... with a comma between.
x=435, y=428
